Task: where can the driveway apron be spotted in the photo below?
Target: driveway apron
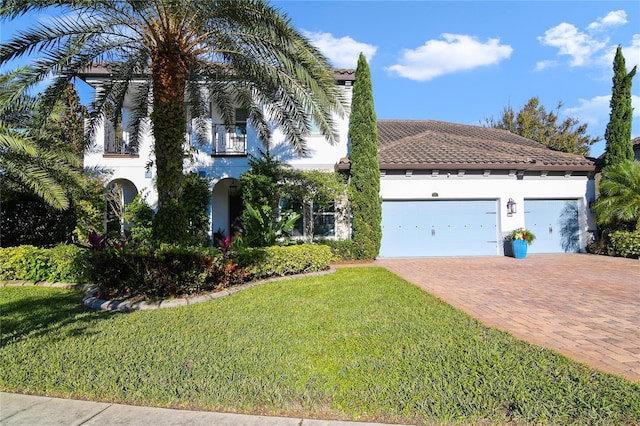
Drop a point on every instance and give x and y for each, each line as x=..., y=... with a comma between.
x=586, y=307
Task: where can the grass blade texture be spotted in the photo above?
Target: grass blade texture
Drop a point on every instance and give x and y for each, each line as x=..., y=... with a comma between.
x=361, y=344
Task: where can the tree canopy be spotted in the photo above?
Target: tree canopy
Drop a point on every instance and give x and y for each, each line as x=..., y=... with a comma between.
x=244, y=53
x=534, y=122
x=618, y=206
x=32, y=155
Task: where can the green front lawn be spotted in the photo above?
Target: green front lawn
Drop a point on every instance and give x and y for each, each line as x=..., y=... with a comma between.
x=360, y=344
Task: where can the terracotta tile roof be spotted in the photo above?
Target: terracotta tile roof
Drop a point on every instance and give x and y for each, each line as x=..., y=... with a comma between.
x=104, y=69
x=344, y=74
x=428, y=144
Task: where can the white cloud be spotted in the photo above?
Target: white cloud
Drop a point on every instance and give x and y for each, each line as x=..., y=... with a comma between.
x=596, y=111
x=570, y=41
x=631, y=55
x=546, y=64
x=614, y=18
x=592, y=111
x=457, y=52
x=342, y=52
x=591, y=46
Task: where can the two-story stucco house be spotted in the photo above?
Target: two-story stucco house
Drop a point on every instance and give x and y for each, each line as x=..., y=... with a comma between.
x=223, y=157
x=447, y=189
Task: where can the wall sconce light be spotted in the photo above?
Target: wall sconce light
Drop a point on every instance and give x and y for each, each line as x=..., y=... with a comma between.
x=233, y=189
x=511, y=207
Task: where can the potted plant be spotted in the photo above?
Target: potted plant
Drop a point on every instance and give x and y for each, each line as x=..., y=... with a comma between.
x=520, y=239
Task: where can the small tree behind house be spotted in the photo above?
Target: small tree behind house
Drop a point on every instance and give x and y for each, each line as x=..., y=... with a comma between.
x=534, y=122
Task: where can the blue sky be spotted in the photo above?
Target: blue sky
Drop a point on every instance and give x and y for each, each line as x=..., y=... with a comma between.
x=464, y=61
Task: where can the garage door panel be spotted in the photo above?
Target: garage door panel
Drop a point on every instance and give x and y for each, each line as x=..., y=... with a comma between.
x=438, y=228
x=555, y=223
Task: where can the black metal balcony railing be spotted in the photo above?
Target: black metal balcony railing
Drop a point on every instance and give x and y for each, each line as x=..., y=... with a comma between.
x=117, y=146
x=230, y=143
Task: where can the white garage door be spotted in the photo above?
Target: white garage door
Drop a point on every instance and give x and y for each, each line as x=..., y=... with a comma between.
x=554, y=223
x=439, y=228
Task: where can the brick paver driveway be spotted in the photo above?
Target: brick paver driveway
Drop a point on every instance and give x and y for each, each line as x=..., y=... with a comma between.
x=584, y=306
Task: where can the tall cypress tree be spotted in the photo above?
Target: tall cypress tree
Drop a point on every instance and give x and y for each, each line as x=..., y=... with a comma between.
x=618, y=133
x=364, y=185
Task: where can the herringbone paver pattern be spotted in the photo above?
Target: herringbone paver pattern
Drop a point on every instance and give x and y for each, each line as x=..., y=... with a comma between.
x=584, y=306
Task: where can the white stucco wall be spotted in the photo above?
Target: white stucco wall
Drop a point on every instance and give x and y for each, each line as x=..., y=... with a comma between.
x=128, y=167
x=321, y=154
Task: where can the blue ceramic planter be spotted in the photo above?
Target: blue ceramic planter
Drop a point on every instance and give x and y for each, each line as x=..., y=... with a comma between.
x=519, y=248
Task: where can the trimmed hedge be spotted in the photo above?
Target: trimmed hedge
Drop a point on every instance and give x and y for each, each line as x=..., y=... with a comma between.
x=165, y=272
x=625, y=244
x=286, y=260
x=172, y=271
x=342, y=249
x=63, y=263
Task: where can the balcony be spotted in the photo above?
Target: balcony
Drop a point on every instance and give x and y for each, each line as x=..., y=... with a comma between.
x=117, y=145
x=227, y=143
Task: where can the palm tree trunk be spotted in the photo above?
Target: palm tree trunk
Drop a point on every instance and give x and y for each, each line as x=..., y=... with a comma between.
x=169, y=71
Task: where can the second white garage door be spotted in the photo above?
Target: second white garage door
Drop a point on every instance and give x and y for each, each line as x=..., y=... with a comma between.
x=439, y=228
x=555, y=224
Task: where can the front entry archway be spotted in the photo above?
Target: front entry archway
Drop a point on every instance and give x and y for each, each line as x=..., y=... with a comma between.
x=227, y=207
x=119, y=194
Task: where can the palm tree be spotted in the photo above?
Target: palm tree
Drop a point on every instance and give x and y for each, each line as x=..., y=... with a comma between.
x=619, y=203
x=25, y=157
x=244, y=52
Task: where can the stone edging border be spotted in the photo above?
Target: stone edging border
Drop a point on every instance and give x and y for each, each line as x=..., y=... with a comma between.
x=92, y=302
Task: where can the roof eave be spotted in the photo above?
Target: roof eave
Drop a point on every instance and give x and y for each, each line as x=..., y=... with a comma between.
x=493, y=166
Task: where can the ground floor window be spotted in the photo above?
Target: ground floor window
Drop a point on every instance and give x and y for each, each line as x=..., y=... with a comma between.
x=315, y=221
x=324, y=221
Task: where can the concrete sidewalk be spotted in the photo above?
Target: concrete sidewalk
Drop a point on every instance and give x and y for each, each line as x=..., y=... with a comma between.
x=29, y=410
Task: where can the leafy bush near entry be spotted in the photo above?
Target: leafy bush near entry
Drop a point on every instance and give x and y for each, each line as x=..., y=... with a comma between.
x=64, y=263
x=280, y=261
x=625, y=244
x=139, y=215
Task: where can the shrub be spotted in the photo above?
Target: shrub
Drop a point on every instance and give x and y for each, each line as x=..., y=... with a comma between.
x=261, y=231
x=170, y=224
x=139, y=215
x=194, y=199
x=625, y=244
x=125, y=273
x=64, y=263
x=164, y=272
x=597, y=247
x=341, y=249
x=27, y=220
x=287, y=260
